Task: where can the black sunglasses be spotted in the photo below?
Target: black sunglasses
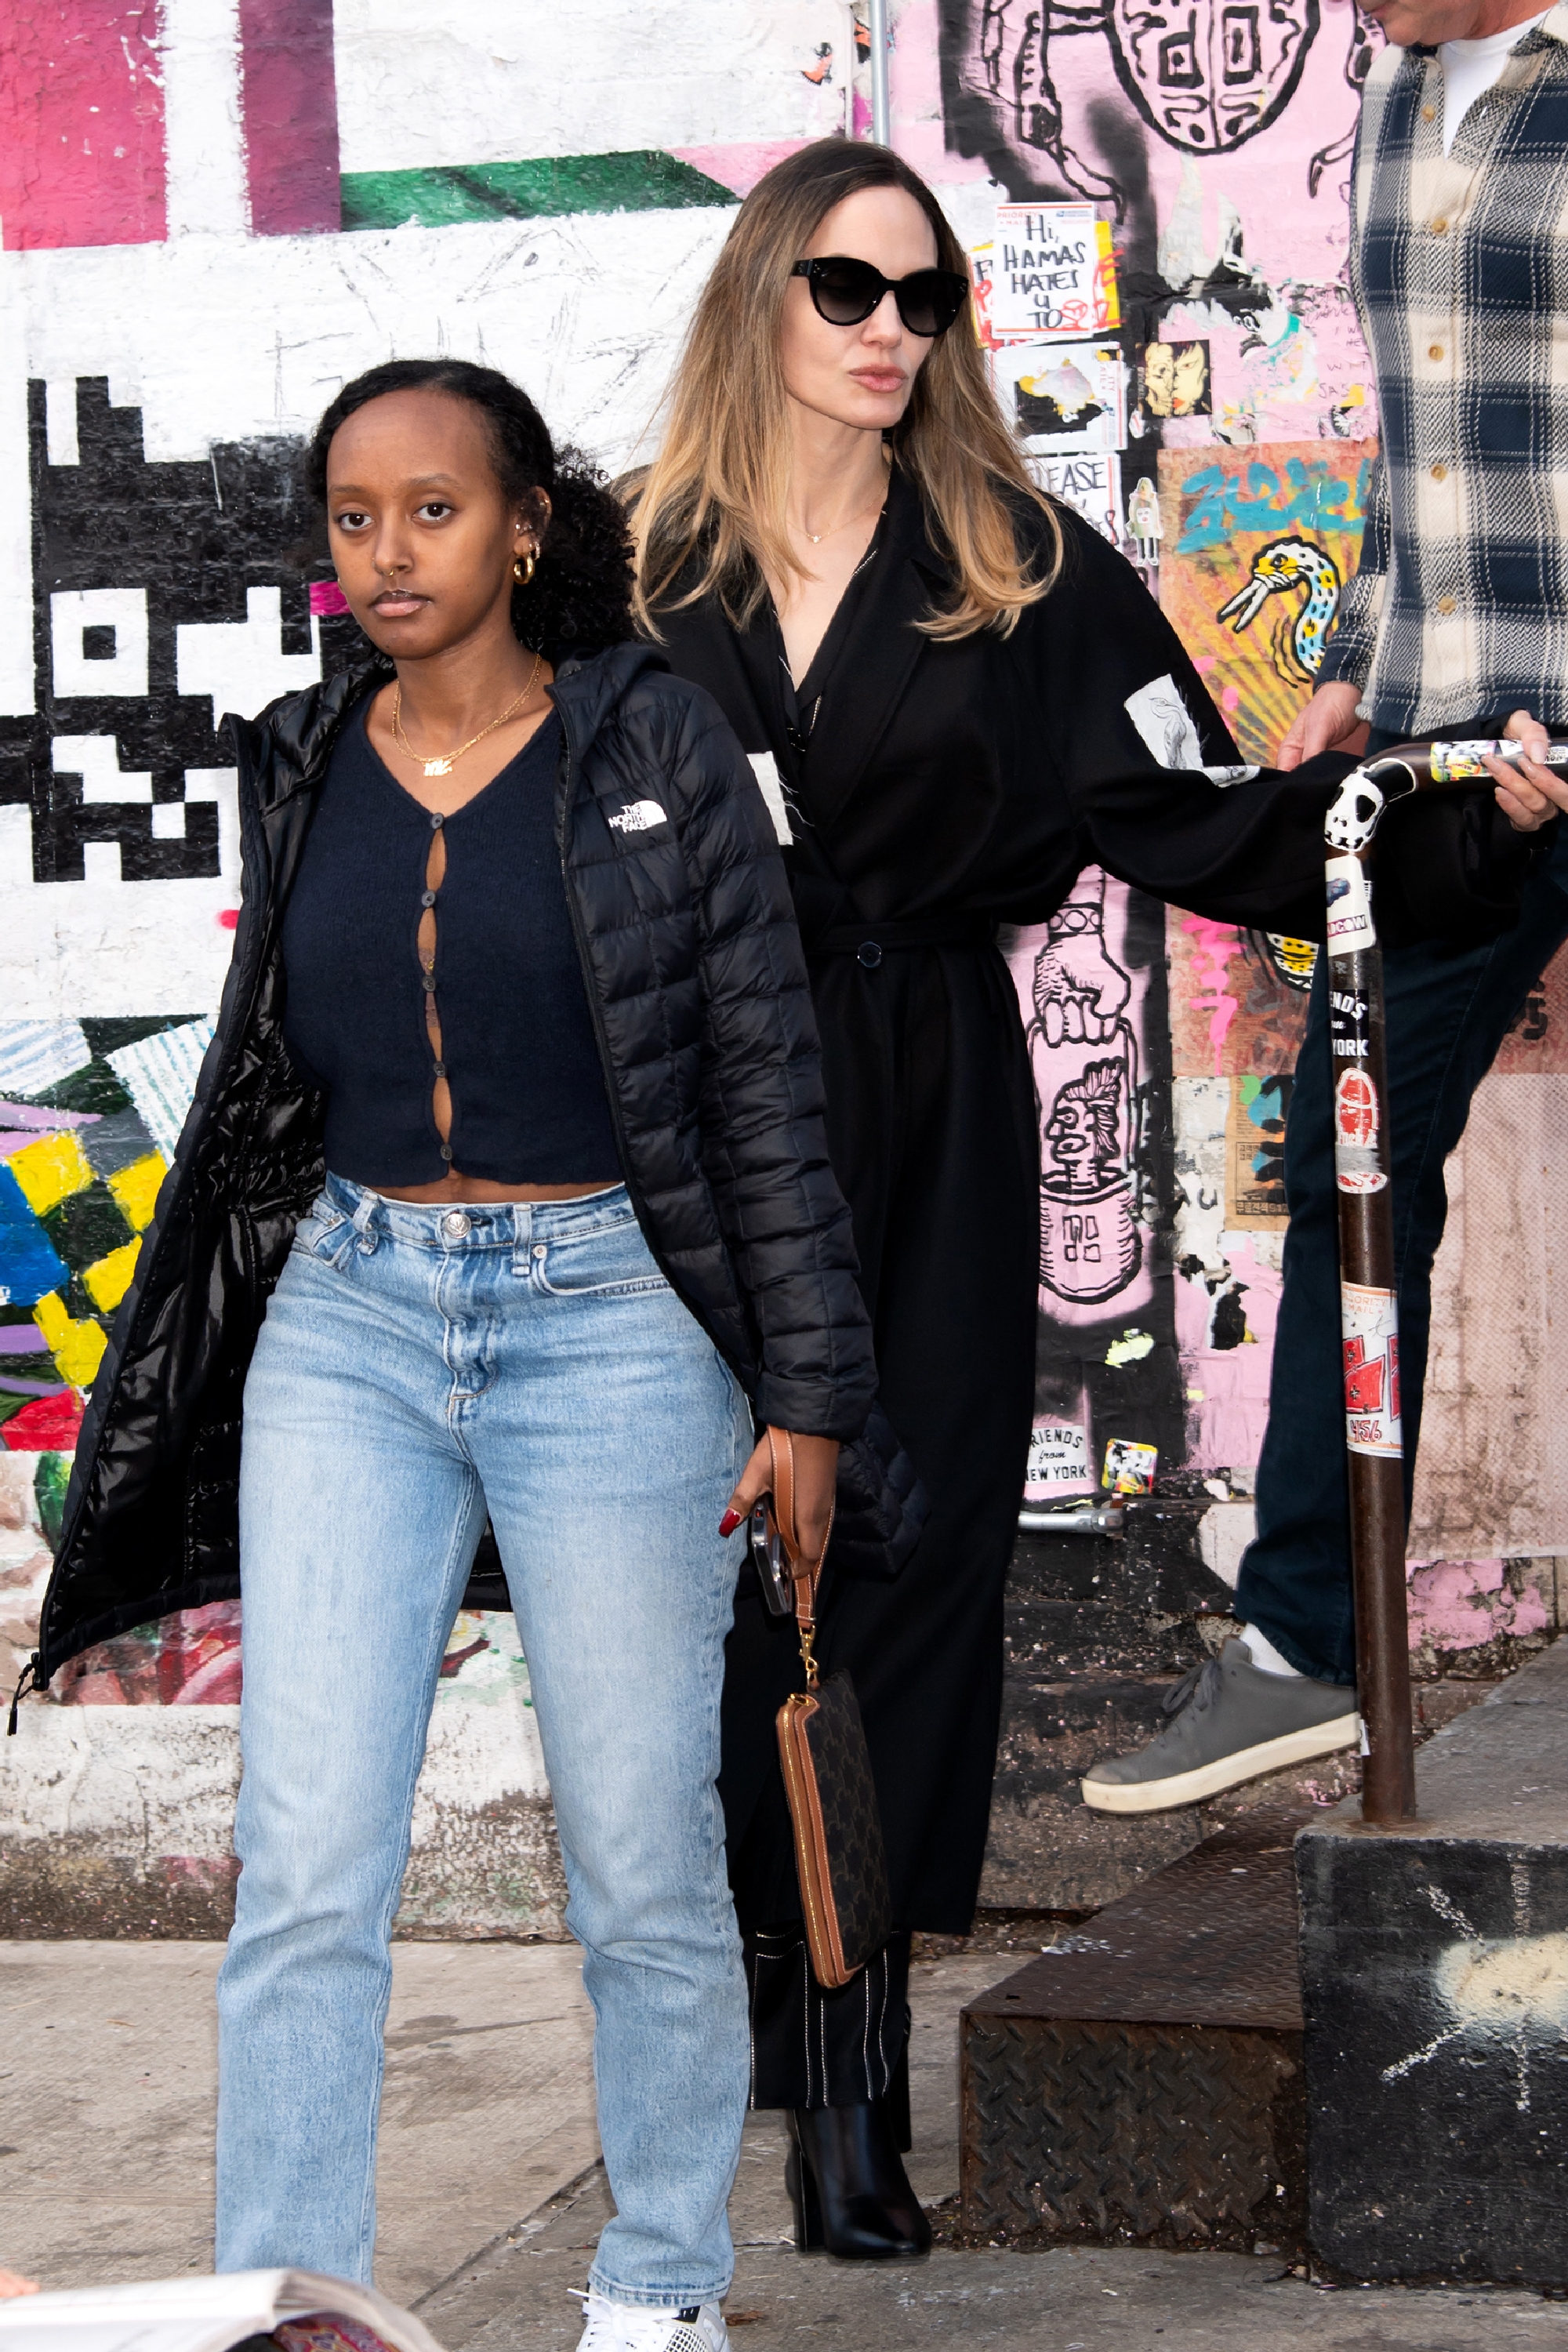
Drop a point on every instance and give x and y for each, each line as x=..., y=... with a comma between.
x=844, y=291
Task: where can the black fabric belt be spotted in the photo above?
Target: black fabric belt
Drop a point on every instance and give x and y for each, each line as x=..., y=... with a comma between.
x=870, y=942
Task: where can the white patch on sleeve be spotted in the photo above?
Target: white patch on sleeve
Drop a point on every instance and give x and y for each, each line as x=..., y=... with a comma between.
x=765, y=769
x=1165, y=723
x=640, y=817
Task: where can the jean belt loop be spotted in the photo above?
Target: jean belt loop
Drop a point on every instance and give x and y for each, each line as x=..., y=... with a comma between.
x=362, y=1221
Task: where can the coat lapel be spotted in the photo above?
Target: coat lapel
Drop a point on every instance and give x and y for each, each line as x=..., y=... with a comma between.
x=877, y=659
x=700, y=645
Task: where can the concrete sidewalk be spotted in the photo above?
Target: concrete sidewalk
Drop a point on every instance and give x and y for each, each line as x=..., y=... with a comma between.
x=492, y=2196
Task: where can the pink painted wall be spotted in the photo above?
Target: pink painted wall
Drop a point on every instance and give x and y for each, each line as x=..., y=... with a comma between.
x=81, y=123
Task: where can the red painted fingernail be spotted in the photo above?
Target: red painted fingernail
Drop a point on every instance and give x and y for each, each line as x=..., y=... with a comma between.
x=728, y=1523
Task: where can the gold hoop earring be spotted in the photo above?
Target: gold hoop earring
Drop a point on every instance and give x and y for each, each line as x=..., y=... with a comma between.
x=523, y=569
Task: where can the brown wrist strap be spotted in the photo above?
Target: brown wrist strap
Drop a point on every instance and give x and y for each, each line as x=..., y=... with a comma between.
x=804, y=1574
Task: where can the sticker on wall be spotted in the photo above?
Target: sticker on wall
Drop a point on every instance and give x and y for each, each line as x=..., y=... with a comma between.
x=1130, y=1468
x=1370, y=1326
x=1058, y=1461
x=1063, y=396
x=1053, y=272
x=1174, y=379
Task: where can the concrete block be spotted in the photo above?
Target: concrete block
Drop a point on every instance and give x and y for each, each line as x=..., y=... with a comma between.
x=1435, y=1987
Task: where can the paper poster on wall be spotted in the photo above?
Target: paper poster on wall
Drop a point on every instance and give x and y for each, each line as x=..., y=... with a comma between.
x=1255, y=1152
x=1063, y=397
x=1053, y=272
x=1085, y=482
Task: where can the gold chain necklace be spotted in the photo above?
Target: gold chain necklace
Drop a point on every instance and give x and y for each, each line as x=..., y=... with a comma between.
x=816, y=537
x=447, y=760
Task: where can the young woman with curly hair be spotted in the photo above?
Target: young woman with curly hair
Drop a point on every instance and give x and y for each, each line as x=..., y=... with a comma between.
x=505, y=1193
x=965, y=695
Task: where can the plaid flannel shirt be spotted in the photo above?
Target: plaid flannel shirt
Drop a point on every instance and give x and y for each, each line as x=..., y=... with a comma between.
x=1459, y=266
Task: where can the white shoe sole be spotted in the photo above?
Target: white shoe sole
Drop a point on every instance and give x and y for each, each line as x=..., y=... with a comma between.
x=1224, y=1772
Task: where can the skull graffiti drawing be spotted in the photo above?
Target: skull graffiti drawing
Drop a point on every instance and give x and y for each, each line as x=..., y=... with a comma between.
x=1204, y=75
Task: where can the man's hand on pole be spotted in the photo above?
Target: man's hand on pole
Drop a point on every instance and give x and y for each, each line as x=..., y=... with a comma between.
x=1329, y=723
x=1529, y=795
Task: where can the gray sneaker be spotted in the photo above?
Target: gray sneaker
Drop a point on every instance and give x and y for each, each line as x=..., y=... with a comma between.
x=1230, y=1722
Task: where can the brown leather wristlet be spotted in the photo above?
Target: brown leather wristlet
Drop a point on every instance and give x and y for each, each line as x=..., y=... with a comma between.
x=839, y=1858
x=804, y=1574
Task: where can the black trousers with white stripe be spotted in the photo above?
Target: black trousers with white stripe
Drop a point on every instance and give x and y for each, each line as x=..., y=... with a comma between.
x=816, y=2049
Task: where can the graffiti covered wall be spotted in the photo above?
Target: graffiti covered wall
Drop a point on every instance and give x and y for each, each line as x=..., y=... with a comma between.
x=213, y=211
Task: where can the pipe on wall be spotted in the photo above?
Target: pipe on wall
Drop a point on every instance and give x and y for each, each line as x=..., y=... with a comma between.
x=881, y=121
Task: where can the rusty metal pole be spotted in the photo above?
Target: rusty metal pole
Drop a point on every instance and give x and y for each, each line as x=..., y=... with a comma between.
x=1369, y=1310
x=1369, y=1318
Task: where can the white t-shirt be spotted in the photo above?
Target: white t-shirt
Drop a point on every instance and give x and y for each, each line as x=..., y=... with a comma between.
x=1470, y=67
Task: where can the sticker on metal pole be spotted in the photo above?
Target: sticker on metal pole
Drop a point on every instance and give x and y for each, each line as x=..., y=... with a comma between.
x=1356, y=1123
x=1350, y=926
x=1369, y=1320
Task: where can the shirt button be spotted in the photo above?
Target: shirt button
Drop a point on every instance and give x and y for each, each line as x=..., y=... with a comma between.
x=1439, y=228
x=454, y=1225
x=1439, y=473
x=1428, y=114
x=1445, y=605
x=1434, y=352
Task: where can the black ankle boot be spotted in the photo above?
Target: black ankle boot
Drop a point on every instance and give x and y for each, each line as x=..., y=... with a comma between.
x=847, y=2183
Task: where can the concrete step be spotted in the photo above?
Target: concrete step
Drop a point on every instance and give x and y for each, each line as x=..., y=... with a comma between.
x=1141, y=2081
x=1435, y=1984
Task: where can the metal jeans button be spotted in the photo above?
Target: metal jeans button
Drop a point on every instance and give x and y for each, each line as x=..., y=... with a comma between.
x=454, y=1225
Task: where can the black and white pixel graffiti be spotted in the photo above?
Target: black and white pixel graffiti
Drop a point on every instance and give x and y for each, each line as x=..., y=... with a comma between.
x=165, y=595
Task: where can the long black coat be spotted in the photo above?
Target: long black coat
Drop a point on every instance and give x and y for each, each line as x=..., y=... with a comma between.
x=948, y=788
x=696, y=982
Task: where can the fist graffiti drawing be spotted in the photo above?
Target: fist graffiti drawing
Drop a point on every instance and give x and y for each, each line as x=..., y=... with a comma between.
x=1085, y=1061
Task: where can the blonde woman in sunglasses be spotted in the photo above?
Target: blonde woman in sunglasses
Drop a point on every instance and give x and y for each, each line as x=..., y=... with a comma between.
x=958, y=697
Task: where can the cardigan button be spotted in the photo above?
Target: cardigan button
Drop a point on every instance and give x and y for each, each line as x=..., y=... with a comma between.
x=869, y=954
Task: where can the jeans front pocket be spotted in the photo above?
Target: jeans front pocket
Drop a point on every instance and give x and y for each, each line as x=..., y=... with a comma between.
x=608, y=1261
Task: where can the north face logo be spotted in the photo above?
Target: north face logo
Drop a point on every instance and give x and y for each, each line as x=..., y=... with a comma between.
x=639, y=818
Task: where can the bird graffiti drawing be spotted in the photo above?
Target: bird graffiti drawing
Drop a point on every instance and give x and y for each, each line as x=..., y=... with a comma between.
x=1300, y=637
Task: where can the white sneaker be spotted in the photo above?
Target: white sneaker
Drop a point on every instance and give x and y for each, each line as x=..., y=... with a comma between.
x=630, y=2327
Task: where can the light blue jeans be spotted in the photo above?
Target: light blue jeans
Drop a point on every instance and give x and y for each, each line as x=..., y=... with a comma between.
x=418, y=1366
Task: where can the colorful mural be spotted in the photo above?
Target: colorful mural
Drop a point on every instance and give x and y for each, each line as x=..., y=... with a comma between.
x=212, y=214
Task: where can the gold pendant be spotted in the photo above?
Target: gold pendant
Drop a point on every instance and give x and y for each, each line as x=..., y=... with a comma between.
x=437, y=767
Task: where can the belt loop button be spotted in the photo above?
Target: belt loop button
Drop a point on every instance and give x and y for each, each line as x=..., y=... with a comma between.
x=869, y=954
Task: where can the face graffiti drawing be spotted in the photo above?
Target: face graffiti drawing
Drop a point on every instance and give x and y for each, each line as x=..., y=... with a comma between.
x=1080, y=1135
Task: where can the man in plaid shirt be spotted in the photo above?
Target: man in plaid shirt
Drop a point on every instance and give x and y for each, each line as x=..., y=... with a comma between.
x=1454, y=625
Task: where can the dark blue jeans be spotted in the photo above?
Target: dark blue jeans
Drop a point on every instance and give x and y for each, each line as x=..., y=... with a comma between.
x=1448, y=1012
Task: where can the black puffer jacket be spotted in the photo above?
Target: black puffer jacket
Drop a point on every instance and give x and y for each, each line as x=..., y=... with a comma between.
x=699, y=990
